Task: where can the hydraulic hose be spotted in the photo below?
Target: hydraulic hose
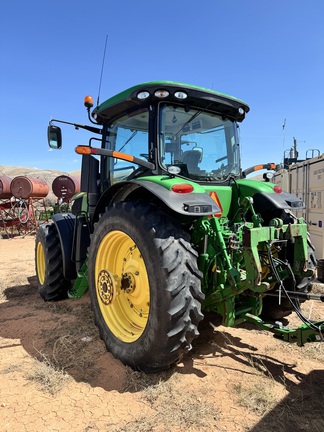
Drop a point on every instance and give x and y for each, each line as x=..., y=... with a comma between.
x=282, y=287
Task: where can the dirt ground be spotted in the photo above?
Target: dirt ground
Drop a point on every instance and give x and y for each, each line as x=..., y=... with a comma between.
x=55, y=374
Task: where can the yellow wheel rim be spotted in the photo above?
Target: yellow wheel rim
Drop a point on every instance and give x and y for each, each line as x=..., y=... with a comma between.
x=40, y=260
x=122, y=286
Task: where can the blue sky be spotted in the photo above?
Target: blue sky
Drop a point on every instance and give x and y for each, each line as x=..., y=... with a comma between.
x=268, y=53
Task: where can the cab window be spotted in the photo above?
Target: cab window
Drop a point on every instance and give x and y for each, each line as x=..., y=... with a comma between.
x=129, y=135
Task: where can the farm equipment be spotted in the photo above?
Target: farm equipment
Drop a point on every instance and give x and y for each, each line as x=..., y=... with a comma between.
x=21, y=199
x=64, y=188
x=166, y=226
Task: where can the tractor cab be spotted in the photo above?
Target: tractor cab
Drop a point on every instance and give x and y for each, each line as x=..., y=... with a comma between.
x=180, y=129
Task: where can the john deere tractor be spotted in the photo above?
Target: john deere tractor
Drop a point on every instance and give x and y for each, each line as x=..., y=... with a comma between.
x=167, y=226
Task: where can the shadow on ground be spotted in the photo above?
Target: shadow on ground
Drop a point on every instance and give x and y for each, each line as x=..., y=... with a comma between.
x=64, y=333
x=61, y=333
x=301, y=410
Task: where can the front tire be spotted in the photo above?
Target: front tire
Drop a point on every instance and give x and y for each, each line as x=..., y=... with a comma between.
x=144, y=286
x=48, y=258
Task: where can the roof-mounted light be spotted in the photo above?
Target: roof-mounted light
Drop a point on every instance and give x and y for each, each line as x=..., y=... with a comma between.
x=143, y=95
x=161, y=94
x=241, y=111
x=88, y=102
x=180, y=95
x=277, y=189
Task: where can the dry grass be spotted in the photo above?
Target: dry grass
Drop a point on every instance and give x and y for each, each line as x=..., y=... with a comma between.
x=261, y=392
x=258, y=396
x=174, y=407
x=48, y=376
x=12, y=368
x=314, y=351
x=139, y=381
x=72, y=346
x=72, y=350
x=74, y=342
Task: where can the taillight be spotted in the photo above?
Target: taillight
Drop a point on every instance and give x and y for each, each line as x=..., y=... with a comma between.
x=182, y=188
x=277, y=189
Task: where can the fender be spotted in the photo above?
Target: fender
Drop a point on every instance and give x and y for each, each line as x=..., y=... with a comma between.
x=265, y=198
x=189, y=204
x=284, y=200
x=65, y=224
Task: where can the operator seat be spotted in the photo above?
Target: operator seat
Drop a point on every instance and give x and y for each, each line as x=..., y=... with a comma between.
x=192, y=158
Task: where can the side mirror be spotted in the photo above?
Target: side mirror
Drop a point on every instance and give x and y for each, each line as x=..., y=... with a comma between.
x=54, y=137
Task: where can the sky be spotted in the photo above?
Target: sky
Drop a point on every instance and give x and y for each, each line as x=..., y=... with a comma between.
x=267, y=53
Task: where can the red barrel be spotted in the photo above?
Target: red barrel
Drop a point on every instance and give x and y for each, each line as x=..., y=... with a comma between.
x=24, y=187
x=65, y=186
x=5, y=191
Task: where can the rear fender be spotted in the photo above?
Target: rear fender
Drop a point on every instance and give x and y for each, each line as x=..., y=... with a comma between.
x=65, y=223
x=265, y=198
x=284, y=200
x=188, y=204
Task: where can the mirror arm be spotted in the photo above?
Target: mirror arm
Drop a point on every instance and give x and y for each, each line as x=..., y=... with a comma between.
x=78, y=126
x=89, y=117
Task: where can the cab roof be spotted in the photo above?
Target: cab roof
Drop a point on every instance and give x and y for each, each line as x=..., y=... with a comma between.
x=200, y=97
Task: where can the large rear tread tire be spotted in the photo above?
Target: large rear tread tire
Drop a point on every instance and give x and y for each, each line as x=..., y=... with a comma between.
x=174, y=284
x=52, y=285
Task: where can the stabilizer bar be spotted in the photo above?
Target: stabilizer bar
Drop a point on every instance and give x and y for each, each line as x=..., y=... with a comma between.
x=298, y=295
x=301, y=335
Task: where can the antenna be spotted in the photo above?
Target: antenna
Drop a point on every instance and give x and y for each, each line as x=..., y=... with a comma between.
x=283, y=141
x=102, y=68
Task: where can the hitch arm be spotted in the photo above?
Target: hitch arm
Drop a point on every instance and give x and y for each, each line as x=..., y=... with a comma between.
x=301, y=335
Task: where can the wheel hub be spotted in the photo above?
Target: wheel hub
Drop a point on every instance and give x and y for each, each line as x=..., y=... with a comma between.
x=106, y=287
x=122, y=286
x=128, y=282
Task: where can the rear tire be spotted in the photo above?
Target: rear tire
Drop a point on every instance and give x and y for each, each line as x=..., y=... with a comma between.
x=48, y=258
x=144, y=286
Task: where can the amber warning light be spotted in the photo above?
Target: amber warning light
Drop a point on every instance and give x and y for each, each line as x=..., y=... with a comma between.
x=84, y=150
x=88, y=102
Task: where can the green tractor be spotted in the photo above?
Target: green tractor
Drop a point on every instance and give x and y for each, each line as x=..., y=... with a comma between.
x=166, y=226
